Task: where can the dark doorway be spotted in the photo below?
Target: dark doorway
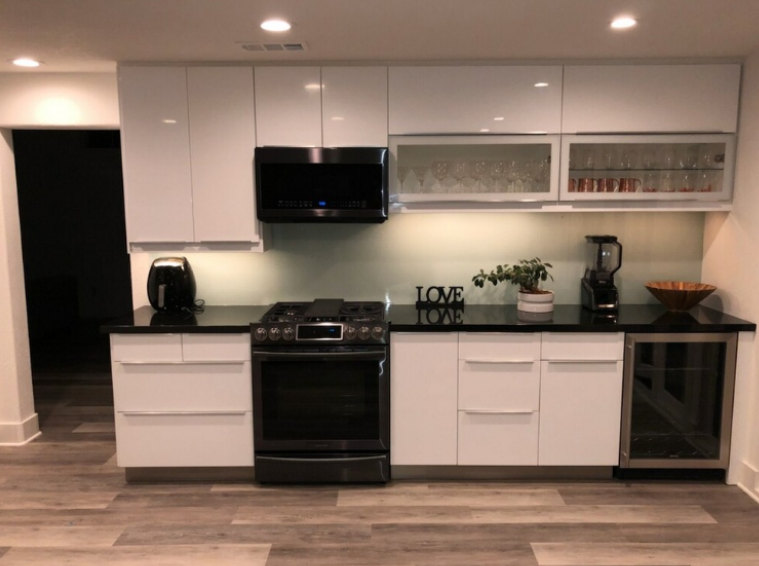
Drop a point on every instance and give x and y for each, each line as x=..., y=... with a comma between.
x=76, y=266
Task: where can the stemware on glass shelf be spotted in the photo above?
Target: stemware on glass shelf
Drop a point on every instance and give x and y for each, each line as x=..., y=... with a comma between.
x=668, y=183
x=479, y=170
x=705, y=182
x=440, y=172
x=460, y=171
x=687, y=183
x=402, y=172
x=650, y=183
x=497, y=171
x=420, y=172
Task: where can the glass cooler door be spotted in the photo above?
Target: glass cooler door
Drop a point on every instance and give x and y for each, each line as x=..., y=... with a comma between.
x=677, y=402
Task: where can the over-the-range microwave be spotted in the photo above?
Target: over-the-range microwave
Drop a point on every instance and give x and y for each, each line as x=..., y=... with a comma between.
x=321, y=184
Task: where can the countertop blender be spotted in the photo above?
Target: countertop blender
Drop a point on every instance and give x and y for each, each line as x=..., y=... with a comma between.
x=603, y=258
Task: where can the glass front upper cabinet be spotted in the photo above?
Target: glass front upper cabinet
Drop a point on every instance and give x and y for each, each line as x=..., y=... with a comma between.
x=648, y=168
x=473, y=170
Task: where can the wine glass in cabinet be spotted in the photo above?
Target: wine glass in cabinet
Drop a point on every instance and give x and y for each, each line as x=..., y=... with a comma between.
x=692, y=171
x=481, y=172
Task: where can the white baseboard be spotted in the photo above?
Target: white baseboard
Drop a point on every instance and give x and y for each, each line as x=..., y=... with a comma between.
x=749, y=480
x=18, y=434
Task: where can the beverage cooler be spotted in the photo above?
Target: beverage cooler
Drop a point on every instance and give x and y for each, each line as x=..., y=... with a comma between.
x=678, y=400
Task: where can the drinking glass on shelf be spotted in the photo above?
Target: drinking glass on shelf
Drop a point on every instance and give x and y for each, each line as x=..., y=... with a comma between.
x=688, y=157
x=669, y=157
x=460, y=171
x=705, y=182
x=687, y=183
x=650, y=183
x=497, y=171
x=668, y=183
x=628, y=158
x=420, y=172
x=479, y=170
x=649, y=158
x=440, y=172
x=402, y=172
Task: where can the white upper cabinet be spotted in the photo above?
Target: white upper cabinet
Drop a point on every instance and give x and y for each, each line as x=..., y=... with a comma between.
x=289, y=106
x=188, y=136
x=651, y=98
x=155, y=148
x=475, y=99
x=354, y=106
x=222, y=142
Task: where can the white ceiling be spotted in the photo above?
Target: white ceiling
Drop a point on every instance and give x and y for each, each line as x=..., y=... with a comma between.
x=93, y=35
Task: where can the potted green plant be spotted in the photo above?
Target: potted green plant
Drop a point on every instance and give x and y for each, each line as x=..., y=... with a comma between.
x=527, y=275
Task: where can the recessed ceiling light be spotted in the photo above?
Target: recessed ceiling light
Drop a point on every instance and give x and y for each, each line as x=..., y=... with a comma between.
x=498, y=118
x=313, y=86
x=24, y=62
x=275, y=25
x=484, y=130
x=623, y=22
x=338, y=118
x=541, y=85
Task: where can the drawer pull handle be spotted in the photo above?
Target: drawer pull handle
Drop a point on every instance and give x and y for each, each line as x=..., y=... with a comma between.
x=496, y=412
x=487, y=361
x=209, y=363
x=583, y=361
x=180, y=413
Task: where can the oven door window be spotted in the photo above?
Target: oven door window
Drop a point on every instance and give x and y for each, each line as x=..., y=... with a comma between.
x=320, y=399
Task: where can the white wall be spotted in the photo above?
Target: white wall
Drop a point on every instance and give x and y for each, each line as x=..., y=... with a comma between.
x=386, y=261
x=34, y=100
x=730, y=244
x=18, y=421
x=58, y=100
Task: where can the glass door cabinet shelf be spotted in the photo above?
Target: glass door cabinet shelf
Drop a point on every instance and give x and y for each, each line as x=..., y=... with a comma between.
x=476, y=171
x=648, y=168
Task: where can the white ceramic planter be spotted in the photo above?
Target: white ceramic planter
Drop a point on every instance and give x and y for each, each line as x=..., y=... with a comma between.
x=535, y=302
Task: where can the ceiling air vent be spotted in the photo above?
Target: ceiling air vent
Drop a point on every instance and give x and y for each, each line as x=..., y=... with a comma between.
x=266, y=47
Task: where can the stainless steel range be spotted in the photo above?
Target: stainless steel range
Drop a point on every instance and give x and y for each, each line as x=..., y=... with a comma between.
x=321, y=393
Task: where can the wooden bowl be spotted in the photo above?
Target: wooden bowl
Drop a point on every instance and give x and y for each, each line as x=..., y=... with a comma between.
x=679, y=295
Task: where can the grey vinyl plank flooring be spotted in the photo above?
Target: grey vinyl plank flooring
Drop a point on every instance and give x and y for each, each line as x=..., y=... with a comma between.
x=470, y=497
x=493, y=535
x=254, y=498
x=214, y=555
x=646, y=514
x=59, y=536
x=316, y=534
x=508, y=554
x=63, y=500
x=635, y=554
x=180, y=516
x=356, y=514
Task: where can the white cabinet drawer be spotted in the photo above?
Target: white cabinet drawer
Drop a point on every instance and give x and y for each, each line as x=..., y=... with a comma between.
x=580, y=413
x=215, y=347
x=499, y=385
x=583, y=345
x=183, y=440
x=498, y=439
x=146, y=347
x=139, y=386
x=499, y=347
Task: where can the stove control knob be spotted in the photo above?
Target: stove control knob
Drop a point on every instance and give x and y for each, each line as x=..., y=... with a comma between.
x=364, y=333
x=350, y=332
x=260, y=334
x=288, y=333
x=274, y=334
x=378, y=332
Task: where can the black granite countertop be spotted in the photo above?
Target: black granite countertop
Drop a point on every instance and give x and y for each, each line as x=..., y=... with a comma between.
x=474, y=318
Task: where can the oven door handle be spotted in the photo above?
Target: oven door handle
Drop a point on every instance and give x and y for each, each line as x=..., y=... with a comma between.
x=378, y=355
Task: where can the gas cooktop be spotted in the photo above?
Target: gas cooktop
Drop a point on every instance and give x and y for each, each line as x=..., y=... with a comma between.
x=323, y=321
x=326, y=310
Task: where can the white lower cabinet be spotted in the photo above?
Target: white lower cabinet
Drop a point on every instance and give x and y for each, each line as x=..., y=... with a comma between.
x=182, y=400
x=423, y=392
x=522, y=399
x=580, y=399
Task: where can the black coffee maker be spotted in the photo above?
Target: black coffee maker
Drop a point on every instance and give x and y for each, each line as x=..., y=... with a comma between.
x=603, y=258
